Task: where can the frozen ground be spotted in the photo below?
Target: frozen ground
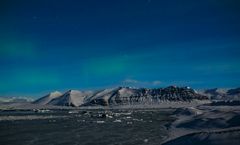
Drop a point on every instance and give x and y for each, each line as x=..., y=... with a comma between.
x=168, y=125
x=79, y=127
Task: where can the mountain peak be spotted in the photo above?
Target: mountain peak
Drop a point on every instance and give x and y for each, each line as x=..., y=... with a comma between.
x=49, y=97
x=73, y=91
x=55, y=93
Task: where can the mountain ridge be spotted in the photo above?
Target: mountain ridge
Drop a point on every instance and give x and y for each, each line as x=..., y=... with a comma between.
x=222, y=94
x=123, y=96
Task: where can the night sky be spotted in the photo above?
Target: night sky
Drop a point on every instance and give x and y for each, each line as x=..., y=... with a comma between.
x=48, y=45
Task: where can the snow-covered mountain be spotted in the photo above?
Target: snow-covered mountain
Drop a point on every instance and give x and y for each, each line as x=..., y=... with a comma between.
x=222, y=94
x=122, y=96
x=49, y=97
x=71, y=98
x=135, y=96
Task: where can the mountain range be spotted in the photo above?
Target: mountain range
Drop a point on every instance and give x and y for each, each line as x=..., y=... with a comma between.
x=15, y=99
x=121, y=96
x=222, y=94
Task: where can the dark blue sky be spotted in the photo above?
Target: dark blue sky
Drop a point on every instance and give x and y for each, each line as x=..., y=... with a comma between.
x=48, y=45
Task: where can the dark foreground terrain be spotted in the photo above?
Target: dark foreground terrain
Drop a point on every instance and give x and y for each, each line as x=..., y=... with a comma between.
x=75, y=127
x=204, y=124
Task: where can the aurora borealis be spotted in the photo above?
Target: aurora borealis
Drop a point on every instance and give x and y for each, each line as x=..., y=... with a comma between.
x=48, y=45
